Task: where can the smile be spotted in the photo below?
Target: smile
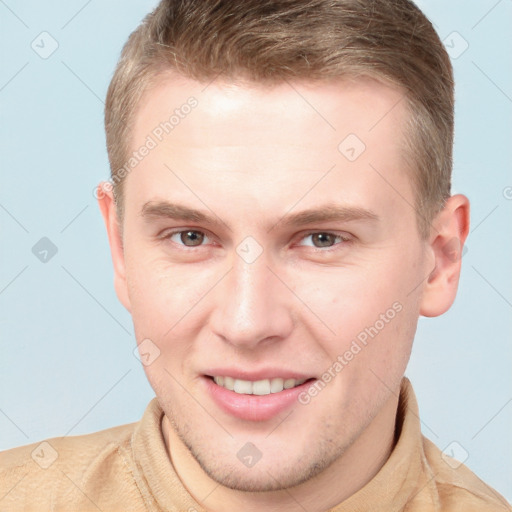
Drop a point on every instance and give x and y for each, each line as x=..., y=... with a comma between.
x=258, y=387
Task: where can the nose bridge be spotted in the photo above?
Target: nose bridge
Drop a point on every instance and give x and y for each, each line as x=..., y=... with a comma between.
x=251, y=286
x=249, y=305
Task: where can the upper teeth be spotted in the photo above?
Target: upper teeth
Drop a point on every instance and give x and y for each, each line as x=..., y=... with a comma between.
x=258, y=387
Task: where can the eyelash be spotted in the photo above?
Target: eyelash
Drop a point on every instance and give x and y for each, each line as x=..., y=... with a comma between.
x=344, y=239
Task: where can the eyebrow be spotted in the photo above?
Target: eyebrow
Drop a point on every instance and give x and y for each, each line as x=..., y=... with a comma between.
x=166, y=210
x=326, y=213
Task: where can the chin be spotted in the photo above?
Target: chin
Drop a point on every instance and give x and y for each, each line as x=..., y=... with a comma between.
x=267, y=478
x=280, y=471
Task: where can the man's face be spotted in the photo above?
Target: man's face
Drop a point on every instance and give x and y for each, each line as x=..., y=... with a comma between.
x=304, y=251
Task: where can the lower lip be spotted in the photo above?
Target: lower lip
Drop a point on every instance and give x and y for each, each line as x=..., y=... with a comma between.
x=254, y=407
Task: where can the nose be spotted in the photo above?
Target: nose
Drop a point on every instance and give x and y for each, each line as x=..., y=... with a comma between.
x=252, y=306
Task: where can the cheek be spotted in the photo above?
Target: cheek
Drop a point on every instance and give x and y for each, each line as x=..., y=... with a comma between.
x=163, y=312
x=169, y=305
x=166, y=288
x=379, y=301
x=159, y=295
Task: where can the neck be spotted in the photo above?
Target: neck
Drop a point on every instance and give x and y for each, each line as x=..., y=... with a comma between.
x=352, y=471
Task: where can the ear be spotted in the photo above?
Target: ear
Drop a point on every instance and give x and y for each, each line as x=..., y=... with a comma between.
x=449, y=231
x=107, y=204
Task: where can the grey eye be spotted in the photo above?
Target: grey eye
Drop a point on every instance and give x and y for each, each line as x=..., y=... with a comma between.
x=321, y=239
x=190, y=238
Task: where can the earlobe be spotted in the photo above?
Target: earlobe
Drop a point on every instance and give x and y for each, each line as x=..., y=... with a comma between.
x=450, y=229
x=108, y=210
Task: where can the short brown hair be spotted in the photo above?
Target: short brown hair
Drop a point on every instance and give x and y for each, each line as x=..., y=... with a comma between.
x=270, y=41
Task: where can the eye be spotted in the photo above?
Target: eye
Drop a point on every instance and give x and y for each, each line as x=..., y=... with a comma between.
x=189, y=238
x=321, y=239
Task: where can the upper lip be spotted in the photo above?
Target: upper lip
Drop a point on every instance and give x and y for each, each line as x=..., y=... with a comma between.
x=254, y=375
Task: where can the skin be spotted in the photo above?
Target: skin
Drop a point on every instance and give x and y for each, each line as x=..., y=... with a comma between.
x=248, y=155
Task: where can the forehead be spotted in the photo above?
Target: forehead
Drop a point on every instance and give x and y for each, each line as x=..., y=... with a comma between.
x=226, y=140
x=329, y=108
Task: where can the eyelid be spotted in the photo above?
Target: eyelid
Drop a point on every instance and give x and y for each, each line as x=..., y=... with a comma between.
x=166, y=234
x=345, y=238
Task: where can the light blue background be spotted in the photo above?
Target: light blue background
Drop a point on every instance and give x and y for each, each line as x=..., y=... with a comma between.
x=67, y=365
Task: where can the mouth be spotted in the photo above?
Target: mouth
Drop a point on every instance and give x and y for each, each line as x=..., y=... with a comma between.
x=255, y=400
